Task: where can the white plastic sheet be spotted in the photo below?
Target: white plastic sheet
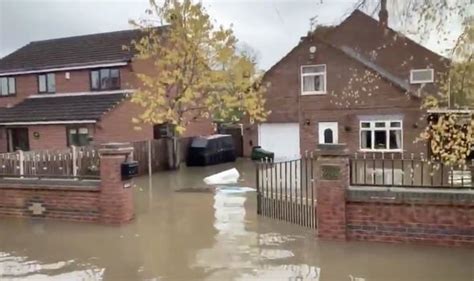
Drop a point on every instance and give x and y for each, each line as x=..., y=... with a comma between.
x=225, y=177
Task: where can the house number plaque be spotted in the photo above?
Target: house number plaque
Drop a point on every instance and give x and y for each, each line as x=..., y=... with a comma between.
x=330, y=172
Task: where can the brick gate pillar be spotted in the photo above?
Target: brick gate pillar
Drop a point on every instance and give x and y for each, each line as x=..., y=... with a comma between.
x=332, y=181
x=116, y=198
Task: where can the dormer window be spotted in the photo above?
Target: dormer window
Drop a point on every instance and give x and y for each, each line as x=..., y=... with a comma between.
x=313, y=79
x=105, y=79
x=7, y=86
x=421, y=76
x=46, y=83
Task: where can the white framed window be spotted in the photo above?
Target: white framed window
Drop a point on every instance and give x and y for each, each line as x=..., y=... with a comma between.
x=385, y=135
x=421, y=76
x=328, y=133
x=46, y=83
x=7, y=86
x=313, y=79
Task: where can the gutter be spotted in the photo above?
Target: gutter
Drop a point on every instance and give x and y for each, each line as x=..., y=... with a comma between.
x=58, y=122
x=64, y=68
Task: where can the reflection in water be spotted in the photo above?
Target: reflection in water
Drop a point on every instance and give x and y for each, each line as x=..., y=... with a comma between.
x=20, y=268
x=181, y=236
x=237, y=251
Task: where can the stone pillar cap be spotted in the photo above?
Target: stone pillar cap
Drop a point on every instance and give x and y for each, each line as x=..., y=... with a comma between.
x=332, y=150
x=114, y=148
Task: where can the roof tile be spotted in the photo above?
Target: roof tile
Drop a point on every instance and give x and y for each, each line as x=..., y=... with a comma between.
x=64, y=108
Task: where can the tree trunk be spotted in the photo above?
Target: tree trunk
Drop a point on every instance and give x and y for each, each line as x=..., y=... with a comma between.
x=174, y=157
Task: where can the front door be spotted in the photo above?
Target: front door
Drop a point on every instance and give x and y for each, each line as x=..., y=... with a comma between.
x=18, y=139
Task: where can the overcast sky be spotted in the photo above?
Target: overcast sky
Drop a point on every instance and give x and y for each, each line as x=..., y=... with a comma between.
x=271, y=27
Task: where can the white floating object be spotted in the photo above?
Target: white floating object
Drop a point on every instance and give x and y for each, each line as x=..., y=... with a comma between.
x=235, y=189
x=225, y=177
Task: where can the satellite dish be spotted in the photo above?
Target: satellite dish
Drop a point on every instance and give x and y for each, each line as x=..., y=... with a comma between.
x=312, y=49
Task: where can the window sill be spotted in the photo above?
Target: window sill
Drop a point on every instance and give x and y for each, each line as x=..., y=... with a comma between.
x=8, y=96
x=382, y=150
x=104, y=90
x=313, y=93
x=421, y=82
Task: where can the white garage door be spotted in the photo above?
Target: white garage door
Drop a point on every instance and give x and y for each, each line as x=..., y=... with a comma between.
x=281, y=138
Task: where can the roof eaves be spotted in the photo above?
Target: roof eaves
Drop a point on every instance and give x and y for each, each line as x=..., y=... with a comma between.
x=382, y=72
x=62, y=67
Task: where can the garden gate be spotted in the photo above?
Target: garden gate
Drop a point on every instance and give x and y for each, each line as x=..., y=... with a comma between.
x=285, y=191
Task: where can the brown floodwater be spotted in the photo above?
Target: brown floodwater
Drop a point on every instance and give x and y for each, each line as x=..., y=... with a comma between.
x=192, y=235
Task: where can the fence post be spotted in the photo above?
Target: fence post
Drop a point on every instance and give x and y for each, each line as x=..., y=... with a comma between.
x=332, y=181
x=74, y=160
x=149, y=158
x=21, y=158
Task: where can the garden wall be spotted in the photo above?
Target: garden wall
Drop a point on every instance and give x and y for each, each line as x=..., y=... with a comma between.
x=107, y=200
x=442, y=217
x=63, y=200
x=438, y=216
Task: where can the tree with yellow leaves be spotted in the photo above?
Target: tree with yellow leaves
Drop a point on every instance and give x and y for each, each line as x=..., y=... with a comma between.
x=197, y=71
x=450, y=132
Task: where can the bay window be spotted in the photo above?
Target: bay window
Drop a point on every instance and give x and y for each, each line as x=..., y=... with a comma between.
x=381, y=135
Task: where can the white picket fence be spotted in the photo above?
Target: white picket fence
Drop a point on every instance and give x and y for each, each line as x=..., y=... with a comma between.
x=71, y=162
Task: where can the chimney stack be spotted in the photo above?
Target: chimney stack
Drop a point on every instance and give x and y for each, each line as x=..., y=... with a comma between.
x=383, y=14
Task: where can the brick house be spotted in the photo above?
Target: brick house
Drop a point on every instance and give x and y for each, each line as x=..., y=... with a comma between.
x=359, y=83
x=73, y=91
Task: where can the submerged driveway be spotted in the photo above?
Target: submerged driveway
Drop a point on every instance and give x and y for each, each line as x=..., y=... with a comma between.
x=186, y=231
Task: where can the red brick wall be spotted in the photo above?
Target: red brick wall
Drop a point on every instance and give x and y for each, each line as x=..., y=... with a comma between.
x=117, y=125
x=423, y=222
x=397, y=215
x=199, y=127
x=116, y=199
x=70, y=205
x=50, y=137
x=26, y=85
x=331, y=205
x=343, y=103
x=109, y=200
x=79, y=81
x=3, y=140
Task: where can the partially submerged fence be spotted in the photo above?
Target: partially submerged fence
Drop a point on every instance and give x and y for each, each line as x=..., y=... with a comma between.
x=407, y=171
x=285, y=191
x=78, y=162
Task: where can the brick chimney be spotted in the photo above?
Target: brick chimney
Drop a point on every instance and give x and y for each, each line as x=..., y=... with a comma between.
x=383, y=14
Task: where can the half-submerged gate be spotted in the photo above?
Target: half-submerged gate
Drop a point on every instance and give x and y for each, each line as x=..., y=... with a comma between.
x=285, y=191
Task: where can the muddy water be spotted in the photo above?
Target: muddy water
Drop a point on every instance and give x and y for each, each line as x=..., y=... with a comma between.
x=199, y=235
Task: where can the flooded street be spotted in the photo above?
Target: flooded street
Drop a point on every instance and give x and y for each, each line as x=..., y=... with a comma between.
x=198, y=234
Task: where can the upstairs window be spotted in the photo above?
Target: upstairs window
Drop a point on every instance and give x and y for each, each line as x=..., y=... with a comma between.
x=381, y=135
x=7, y=86
x=46, y=83
x=421, y=76
x=105, y=79
x=313, y=79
